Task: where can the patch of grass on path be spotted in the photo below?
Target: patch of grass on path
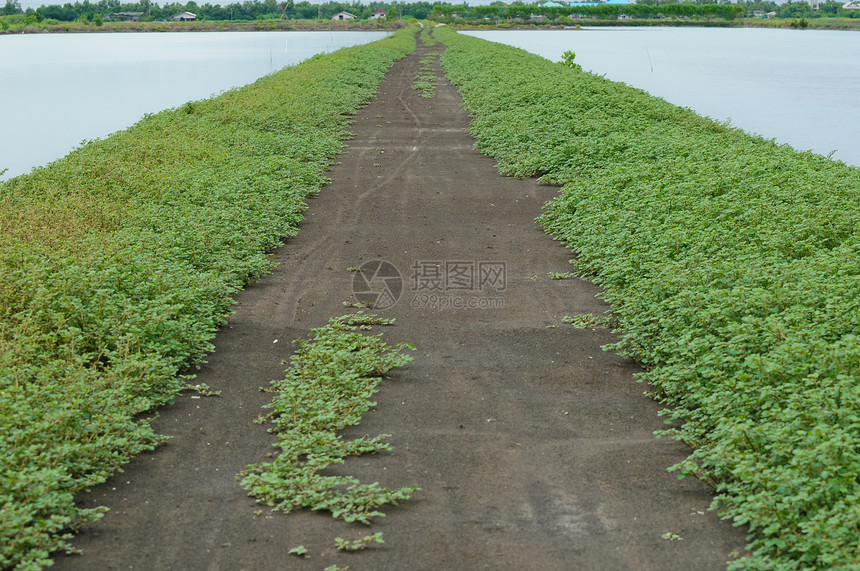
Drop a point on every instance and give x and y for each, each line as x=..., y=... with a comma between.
x=333, y=376
x=427, y=37
x=119, y=262
x=733, y=268
x=426, y=79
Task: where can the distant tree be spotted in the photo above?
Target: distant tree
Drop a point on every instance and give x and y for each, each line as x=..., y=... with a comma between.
x=11, y=8
x=420, y=10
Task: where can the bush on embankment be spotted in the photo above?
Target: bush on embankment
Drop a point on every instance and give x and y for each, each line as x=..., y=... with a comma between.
x=732, y=265
x=118, y=263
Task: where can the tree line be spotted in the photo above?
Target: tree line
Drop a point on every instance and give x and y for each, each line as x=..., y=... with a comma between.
x=244, y=11
x=705, y=9
x=498, y=10
x=273, y=9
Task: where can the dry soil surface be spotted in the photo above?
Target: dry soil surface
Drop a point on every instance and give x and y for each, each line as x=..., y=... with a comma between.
x=533, y=447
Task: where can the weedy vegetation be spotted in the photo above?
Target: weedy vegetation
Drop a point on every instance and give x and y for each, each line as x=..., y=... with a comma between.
x=425, y=79
x=118, y=263
x=299, y=551
x=333, y=376
x=732, y=265
x=358, y=544
x=587, y=320
x=427, y=38
x=560, y=275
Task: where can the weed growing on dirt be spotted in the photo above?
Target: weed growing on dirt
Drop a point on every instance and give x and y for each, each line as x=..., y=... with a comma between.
x=358, y=544
x=560, y=275
x=732, y=265
x=427, y=38
x=299, y=551
x=425, y=79
x=586, y=320
x=333, y=376
x=118, y=263
x=204, y=390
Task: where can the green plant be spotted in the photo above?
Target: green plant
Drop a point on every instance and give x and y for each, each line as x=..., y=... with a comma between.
x=567, y=60
x=560, y=275
x=358, y=544
x=586, y=320
x=299, y=551
x=328, y=387
x=203, y=390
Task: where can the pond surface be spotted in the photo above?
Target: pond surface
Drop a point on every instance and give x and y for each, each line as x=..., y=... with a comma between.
x=57, y=90
x=800, y=87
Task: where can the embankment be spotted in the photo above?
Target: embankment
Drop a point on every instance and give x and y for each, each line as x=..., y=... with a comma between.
x=733, y=268
x=118, y=263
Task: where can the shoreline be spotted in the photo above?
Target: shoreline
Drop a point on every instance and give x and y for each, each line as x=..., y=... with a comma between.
x=210, y=26
x=842, y=24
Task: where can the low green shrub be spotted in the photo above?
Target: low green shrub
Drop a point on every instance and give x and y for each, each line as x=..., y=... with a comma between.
x=732, y=265
x=333, y=376
x=118, y=263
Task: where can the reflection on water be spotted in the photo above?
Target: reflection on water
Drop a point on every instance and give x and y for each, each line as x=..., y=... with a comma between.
x=57, y=90
x=800, y=87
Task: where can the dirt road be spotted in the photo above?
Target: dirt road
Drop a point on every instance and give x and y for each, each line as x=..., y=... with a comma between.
x=532, y=446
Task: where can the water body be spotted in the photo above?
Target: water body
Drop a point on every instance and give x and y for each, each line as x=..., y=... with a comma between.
x=800, y=87
x=58, y=90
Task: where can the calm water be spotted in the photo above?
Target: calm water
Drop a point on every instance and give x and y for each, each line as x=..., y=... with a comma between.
x=800, y=87
x=61, y=89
